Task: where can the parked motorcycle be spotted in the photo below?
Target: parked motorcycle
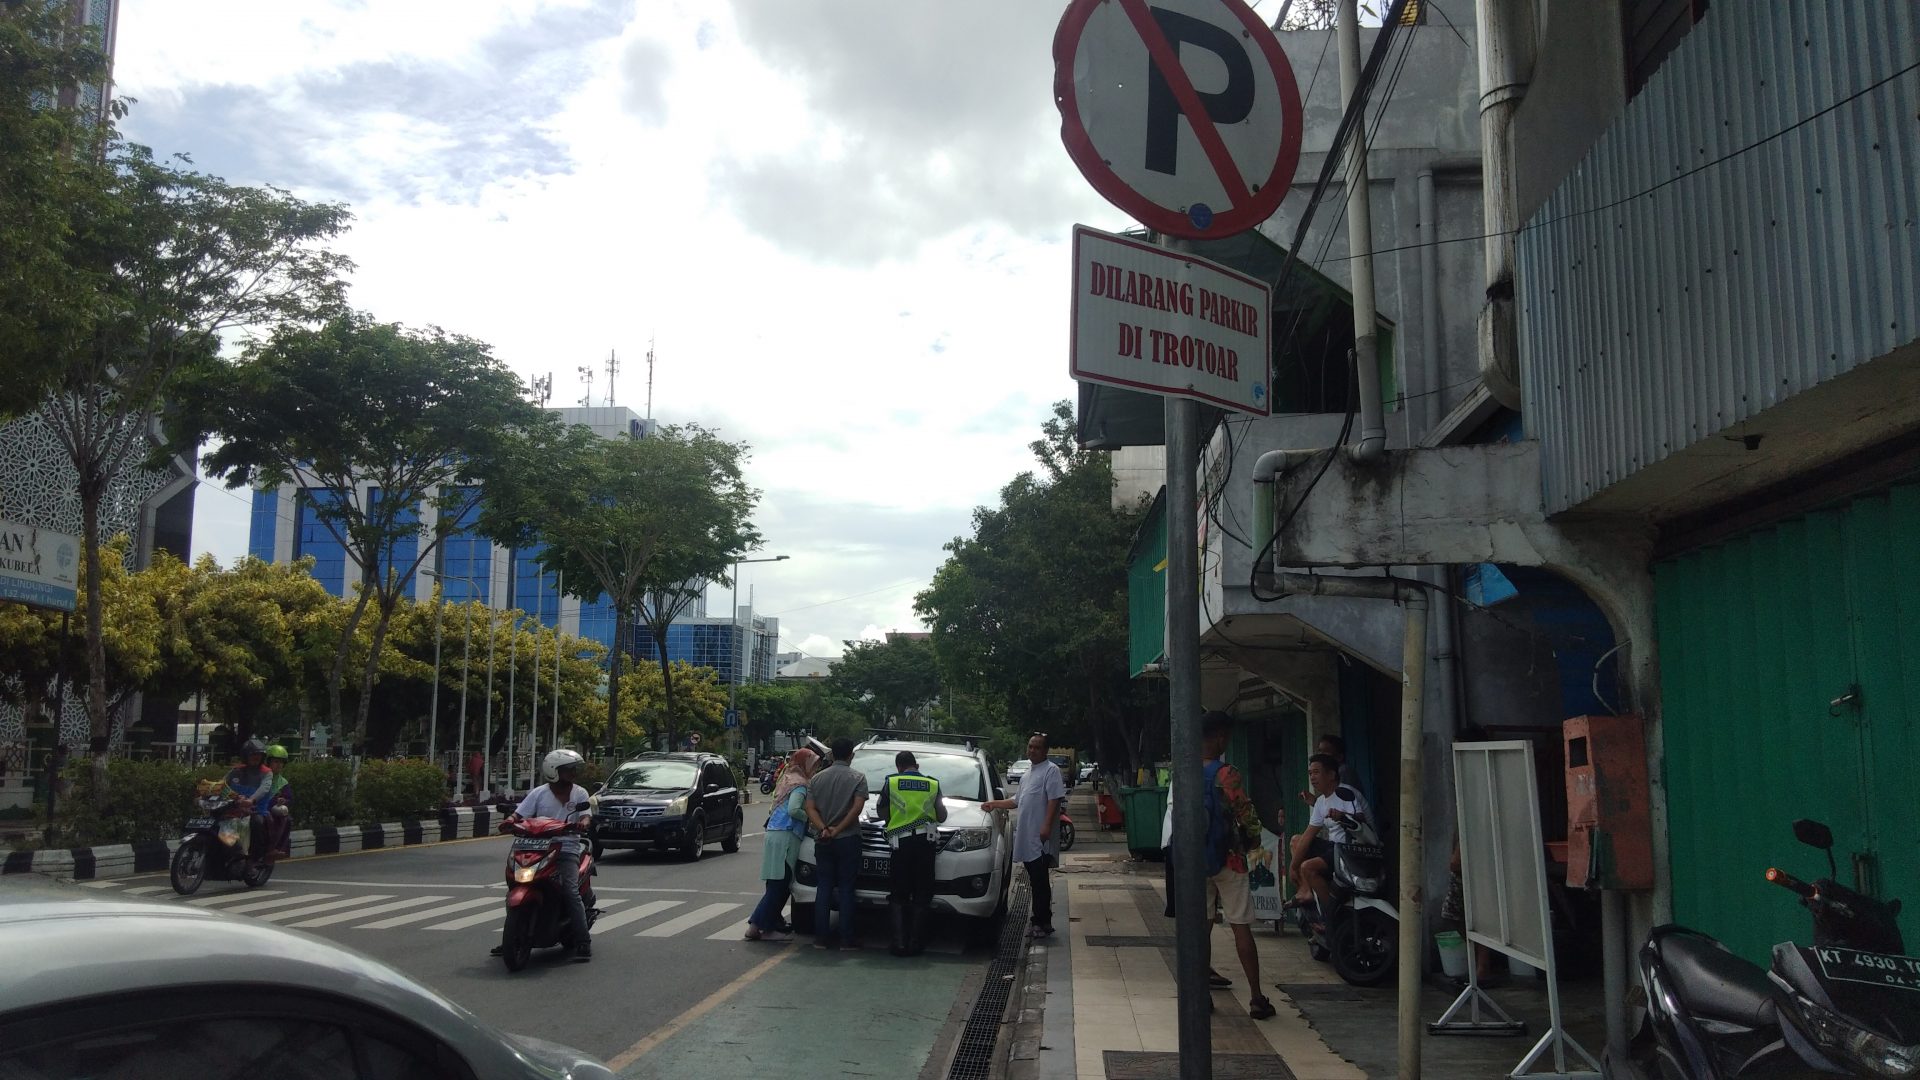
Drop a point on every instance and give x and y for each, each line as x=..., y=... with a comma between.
x=1848, y=1006
x=537, y=915
x=1357, y=929
x=202, y=854
x=1066, y=832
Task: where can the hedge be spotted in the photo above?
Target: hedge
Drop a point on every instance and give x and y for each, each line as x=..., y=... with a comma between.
x=151, y=800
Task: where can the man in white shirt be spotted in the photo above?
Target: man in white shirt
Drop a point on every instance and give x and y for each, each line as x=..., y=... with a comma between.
x=1338, y=811
x=557, y=800
x=1036, y=843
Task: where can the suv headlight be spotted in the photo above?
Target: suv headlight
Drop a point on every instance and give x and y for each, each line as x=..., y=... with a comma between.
x=966, y=839
x=677, y=808
x=1879, y=1056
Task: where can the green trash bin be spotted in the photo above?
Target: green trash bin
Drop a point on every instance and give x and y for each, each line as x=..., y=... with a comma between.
x=1144, y=809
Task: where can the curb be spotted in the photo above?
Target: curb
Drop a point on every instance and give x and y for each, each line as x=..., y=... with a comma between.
x=150, y=856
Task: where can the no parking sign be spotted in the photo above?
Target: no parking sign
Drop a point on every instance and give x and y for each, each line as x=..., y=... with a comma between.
x=1183, y=113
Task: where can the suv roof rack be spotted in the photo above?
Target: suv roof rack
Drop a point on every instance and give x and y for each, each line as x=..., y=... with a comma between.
x=973, y=742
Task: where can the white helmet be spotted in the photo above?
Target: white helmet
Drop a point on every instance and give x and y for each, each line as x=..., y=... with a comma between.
x=559, y=759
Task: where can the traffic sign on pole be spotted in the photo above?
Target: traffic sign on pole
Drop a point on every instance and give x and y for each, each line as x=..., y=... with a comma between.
x=1183, y=113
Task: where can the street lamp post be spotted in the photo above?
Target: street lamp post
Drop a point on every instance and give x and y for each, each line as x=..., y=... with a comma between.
x=466, y=677
x=734, y=734
x=486, y=725
x=433, y=706
x=513, y=672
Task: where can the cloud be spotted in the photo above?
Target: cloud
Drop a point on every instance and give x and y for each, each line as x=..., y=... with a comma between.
x=646, y=64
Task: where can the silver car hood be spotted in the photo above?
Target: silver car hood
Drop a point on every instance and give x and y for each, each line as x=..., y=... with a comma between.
x=564, y=1062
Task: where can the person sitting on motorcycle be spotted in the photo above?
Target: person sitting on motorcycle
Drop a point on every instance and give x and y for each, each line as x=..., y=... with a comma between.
x=556, y=799
x=280, y=819
x=251, y=784
x=1338, y=811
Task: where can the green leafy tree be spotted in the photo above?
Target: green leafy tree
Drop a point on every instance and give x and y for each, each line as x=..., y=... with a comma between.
x=171, y=260
x=898, y=679
x=1032, y=607
x=52, y=181
x=623, y=517
x=129, y=632
x=701, y=705
x=378, y=420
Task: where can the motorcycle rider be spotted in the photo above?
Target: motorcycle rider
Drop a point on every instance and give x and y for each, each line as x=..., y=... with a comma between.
x=555, y=799
x=253, y=785
x=280, y=826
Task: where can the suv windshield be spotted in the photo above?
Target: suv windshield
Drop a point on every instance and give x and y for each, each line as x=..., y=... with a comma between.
x=655, y=775
x=959, y=774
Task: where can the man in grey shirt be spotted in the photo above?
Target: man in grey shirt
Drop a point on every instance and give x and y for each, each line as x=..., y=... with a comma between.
x=835, y=797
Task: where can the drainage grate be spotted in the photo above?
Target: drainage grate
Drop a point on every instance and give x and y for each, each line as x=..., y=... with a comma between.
x=973, y=1058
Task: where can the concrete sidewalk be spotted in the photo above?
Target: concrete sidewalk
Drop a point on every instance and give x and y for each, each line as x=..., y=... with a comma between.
x=1109, y=1007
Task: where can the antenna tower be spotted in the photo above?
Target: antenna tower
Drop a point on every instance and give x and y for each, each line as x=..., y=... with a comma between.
x=613, y=369
x=543, y=390
x=586, y=379
x=649, y=378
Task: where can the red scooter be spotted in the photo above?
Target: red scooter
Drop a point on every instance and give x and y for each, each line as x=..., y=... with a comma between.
x=537, y=915
x=1066, y=831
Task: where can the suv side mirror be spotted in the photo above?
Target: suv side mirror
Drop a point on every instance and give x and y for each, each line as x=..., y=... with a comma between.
x=596, y=789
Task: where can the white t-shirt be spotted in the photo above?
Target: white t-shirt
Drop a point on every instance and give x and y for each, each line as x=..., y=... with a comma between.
x=1042, y=785
x=1347, y=800
x=542, y=802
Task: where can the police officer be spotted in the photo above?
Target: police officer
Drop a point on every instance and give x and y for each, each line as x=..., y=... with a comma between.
x=910, y=805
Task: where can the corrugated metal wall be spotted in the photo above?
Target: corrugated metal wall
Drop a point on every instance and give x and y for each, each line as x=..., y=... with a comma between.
x=1758, y=636
x=1649, y=323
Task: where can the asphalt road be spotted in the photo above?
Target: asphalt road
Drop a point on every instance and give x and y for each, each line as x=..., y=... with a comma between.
x=673, y=987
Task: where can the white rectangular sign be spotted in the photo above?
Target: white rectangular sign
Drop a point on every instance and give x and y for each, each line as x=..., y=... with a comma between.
x=38, y=566
x=1169, y=323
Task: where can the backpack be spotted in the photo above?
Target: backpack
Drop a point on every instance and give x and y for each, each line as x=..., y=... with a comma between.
x=1220, y=841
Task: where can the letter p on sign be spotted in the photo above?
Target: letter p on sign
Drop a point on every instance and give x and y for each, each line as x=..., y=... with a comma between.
x=1183, y=113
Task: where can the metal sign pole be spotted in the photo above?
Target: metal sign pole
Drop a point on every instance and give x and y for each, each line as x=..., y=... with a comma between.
x=1191, y=923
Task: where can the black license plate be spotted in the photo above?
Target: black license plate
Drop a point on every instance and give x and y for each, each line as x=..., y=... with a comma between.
x=1878, y=969
x=199, y=824
x=876, y=864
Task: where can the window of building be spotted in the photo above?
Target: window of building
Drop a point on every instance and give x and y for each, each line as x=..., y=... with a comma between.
x=399, y=556
x=263, y=529
x=535, y=590
x=314, y=538
x=466, y=559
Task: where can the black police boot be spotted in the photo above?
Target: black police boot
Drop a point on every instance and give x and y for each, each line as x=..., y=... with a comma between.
x=917, y=938
x=901, y=941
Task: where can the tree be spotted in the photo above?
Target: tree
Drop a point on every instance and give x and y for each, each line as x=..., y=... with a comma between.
x=660, y=604
x=643, y=702
x=898, y=678
x=1033, y=605
x=379, y=420
x=171, y=260
x=51, y=180
x=129, y=631
x=623, y=517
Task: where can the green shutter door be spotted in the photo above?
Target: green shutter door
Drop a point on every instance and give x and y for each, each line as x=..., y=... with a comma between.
x=1758, y=636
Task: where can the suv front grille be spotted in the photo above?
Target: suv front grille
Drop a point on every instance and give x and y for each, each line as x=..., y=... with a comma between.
x=873, y=839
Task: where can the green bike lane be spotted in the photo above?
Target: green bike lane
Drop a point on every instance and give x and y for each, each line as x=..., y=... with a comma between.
x=809, y=1013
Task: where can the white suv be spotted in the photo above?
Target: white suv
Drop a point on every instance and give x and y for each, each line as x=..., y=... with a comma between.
x=974, y=865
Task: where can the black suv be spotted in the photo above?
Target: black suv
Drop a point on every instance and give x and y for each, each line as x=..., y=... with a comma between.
x=669, y=802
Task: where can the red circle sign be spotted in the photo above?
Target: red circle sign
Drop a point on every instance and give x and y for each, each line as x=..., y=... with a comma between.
x=1124, y=128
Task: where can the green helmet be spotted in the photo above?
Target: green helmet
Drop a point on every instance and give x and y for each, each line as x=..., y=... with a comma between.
x=276, y=752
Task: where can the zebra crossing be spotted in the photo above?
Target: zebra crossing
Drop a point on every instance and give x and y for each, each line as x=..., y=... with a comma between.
x=375, y=911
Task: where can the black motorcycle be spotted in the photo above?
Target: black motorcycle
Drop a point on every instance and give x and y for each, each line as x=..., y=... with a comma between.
x=201, y=855
x=1848, y=1006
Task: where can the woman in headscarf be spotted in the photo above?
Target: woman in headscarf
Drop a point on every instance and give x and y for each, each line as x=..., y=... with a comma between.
x=785, y=826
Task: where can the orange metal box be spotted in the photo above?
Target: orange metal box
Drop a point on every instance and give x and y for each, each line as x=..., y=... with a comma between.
x=1609, y=821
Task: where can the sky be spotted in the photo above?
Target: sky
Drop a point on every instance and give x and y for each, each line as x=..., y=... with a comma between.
x=842, y=225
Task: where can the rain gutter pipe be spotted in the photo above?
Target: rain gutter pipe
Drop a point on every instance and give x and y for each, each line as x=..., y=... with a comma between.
x=1366, y=325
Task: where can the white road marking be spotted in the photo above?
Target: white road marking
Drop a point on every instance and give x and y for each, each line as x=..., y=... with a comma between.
x=651, y=907
x=228, y=898
x=284, y=901
x=736, y=932
x=430, y=913
x=473, y=920
x=361, y=913
x=99, y=884
x=331, y=905
x=688, y=921
x=148, y=889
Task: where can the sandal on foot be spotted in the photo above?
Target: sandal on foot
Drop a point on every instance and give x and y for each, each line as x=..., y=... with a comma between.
x=1260, y=1008
x=1217, y=980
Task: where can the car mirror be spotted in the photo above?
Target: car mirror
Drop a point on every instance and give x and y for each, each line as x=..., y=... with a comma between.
x=596, y=789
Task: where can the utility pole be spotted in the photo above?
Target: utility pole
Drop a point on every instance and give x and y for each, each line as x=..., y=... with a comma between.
x=560, y=595
x=466, y=677
x=486, y=727
x=513, y=671
x=433, y=708
x=1182, y=420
